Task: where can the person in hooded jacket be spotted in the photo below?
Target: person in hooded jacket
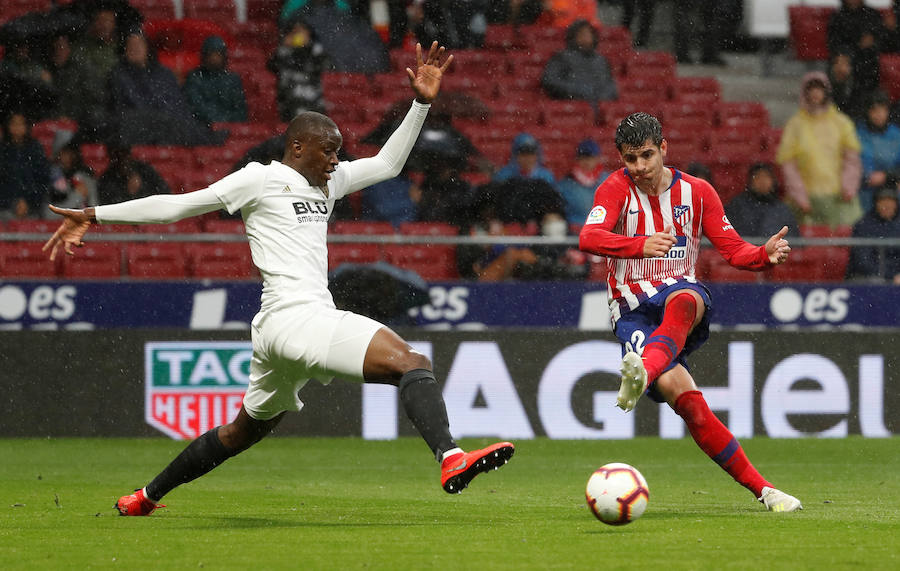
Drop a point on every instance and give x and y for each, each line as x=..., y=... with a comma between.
x=820, y=160
x=214, y=93
x=298, y=63
x=880, y=143
x=526, y=161
x=881, y=221
x=758, y=211
x=579, y=71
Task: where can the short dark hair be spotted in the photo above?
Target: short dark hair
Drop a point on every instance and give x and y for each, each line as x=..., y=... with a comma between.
x=637, y=128
x=308, y=123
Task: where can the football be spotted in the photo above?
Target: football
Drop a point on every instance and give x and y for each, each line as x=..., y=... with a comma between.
x=617, y=493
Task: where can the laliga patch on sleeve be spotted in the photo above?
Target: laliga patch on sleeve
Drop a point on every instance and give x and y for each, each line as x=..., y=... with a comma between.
x=596, y=216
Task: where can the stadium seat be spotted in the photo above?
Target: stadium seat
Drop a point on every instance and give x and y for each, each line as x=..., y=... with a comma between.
x=27, y=260
x=155, y=9
x=353, y=254
x=30, y=226
x=218, y=11
x=227, y=260
x=503, y=37
x=681, y=86
x=218, y=226
x=113, y=228
x=428, y=229
x=808, y=27
x=186, y=226
x=746, y=112
x=651, y=63
x=361, y=227
x=649, y=86
x=156, y=261
x=94, y=260
x=430, y=262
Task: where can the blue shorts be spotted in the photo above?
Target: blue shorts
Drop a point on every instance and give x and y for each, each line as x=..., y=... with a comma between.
x=636, y=326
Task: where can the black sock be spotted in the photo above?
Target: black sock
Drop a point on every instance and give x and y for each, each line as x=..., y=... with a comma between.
x=424, y=405
x=200, y=456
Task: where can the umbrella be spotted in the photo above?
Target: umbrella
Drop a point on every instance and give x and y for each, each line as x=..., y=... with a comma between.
x=379, y=290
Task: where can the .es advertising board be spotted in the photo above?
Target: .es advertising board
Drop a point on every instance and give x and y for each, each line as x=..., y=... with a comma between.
x=194, y=386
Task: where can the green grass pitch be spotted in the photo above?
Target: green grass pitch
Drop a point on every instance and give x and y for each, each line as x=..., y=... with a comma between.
x=349, y=504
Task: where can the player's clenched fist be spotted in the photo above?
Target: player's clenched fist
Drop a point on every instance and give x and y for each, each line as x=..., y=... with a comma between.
x=658, y=244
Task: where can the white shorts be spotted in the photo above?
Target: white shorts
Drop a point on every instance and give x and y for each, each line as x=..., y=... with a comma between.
x=299, y=343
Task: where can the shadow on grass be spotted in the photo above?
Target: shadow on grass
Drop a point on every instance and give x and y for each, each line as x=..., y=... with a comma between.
x=249, y=522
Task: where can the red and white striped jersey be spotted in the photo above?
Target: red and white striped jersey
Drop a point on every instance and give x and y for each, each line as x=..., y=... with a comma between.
x=623, y=217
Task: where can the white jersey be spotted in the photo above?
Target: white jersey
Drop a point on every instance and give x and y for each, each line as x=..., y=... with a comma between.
x=286, y=218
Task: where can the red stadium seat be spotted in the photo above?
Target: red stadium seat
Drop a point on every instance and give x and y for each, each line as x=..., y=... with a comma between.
x=808, y=31
x=692, y=85
x=362, y=227
x=352, y=254
x=428, y=229
x=746, y=112
x=47, y=227
x=227, y=260
x=27, y=260
x=94, y=260
x=650, y=87
x=224, y=226
x=658, y=64
x=186, y=226
x=156, y=261
x=113, y=228
x=503, y=37
x=430, y=262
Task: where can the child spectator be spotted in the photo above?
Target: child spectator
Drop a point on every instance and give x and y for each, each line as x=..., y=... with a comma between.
x=880, y=153
x=882, y=221
x=126, y=177
x=74, y=184
x=578, y=187
x=214, y=93
x=526, y=161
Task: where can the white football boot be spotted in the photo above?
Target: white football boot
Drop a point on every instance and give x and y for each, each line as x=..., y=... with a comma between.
x=778, y=501
x=634, y=381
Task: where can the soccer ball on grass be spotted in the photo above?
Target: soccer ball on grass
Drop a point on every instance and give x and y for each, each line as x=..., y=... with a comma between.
x=617, y=493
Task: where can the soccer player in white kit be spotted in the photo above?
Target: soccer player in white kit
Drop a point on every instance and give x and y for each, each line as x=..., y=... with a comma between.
x=298, y=333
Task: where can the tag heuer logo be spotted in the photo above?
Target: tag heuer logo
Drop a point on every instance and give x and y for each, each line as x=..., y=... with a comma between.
x=192, y=387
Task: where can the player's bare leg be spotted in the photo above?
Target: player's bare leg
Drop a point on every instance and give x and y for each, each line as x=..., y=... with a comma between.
x=389, y=359
x=714, y=438
x=199, y=457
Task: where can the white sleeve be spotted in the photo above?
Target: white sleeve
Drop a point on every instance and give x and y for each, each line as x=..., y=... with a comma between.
x=159, y=208
x=355, y=175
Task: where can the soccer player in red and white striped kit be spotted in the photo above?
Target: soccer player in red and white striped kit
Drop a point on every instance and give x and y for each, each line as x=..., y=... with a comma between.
x=647, y=220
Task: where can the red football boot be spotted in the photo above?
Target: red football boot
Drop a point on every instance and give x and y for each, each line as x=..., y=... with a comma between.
x=458, y=470
x=136, y=504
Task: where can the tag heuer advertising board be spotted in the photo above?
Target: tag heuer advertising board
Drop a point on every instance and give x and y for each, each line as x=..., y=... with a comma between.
x=192, y=387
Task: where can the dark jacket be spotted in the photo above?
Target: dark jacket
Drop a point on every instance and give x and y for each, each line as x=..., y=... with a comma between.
x=24, y=173
x=576, y=74
x=760, y=215
x=866, y=261
x=113, y=185
x=215, y=95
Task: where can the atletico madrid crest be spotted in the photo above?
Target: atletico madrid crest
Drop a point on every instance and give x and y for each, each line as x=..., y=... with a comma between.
x=681, y=213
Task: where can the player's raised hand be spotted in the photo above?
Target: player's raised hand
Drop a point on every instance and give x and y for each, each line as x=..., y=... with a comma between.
x=426, y=80
x=777, y=247
x=70, y=233
x=658, y=244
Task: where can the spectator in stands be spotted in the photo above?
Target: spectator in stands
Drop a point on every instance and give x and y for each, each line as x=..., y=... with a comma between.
x=859, y=29
x=578, y=71
x=298, y=63
x=22, y=72
x=126, y=177
x=393, y=200
x=94, y=55
x=24, y=170
x=882, y=221
x=214, y=93
x=515, y=12
x=645, y=8
x=880, y=141
x=366, y=53
x=688, y=14
x=453, y=23
x=700, y=170
x=65, y=76
x=444, y=196
x=758, y=211
x=525, y=161
x=577, y=188
x=845, y=90
x=74, y=184
x=819, y=157
x=563, y=13
x=148, y=103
